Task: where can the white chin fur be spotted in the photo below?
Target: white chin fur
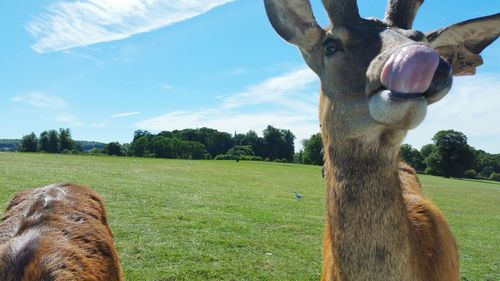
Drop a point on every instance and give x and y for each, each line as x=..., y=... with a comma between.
x=396, y=112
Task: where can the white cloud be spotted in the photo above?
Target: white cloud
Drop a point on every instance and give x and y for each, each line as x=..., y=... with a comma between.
x=100, y=125
x=166, y=87
x=83, y=56
x=471, y=107
x=69, y=119
x=302, y=125
x=48, y=107
x=275, y=90
x=66, y=25
x=236, y=71
x=40, y=100
x=295, y=93
x=124, y=114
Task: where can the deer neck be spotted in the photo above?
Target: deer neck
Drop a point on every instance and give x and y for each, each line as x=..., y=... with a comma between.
x=366, y=212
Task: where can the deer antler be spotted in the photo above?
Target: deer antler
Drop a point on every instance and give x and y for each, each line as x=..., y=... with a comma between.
x=401, y=13
x=342, y=11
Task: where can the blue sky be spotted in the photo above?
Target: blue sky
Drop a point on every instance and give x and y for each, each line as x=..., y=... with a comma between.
x=105, y=68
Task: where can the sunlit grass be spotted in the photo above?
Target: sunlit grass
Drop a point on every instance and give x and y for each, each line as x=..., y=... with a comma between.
x=227, y=220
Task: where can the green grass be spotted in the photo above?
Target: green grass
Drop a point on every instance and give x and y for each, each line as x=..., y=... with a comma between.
x=223, y=220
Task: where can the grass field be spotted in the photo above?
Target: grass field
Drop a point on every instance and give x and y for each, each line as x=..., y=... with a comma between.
x=223, y=220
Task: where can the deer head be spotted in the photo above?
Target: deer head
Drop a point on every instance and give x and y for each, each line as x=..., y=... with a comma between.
x=379, y=76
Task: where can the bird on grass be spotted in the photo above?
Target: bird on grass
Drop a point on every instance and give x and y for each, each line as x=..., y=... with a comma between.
x=298, y=195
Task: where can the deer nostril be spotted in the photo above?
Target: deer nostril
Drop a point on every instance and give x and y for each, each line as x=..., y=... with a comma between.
x=443, y=67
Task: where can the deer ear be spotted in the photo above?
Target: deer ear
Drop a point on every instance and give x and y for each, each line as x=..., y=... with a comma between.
x=294, y=21
x=461, y=43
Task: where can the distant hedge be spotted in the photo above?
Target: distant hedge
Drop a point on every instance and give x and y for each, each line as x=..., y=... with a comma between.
x=495, y=176
x=236, y=157
x=470, y=174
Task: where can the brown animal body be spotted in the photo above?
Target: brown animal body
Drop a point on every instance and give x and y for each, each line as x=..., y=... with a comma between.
x=57, y=233
x=377, y=79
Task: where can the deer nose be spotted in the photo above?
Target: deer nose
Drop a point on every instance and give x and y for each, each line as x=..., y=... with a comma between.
x=444, y=68
x=410, y=69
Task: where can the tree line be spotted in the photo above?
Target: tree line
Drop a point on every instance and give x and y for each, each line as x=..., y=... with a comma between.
x=205, y=143
x=52, y=141
x=449, y=156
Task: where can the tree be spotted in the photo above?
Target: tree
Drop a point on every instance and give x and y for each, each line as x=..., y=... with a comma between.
x=126, y=149
x=145, y=145
x=114, y=148
x=29, y=143
x=241, y=150
x=53, y=142
x=214, y=141
x=495, y=176
x=299, y=157
x=497, y=167
x=313, y=150
x=43, y=141
x=412, y=157
x=278, y=144
x=257, y=143
x=196, y=150
x=434, y=163
x=273, y=142
x=238, y=139
x=163, y=147
x=427, y=149
x=189, y=149
x=66, y=143
x=454, y=153
x=289, y=149
x=218, y=143
x=141, y=133
x=140, y=146
x=191, y=135
x=485, y=163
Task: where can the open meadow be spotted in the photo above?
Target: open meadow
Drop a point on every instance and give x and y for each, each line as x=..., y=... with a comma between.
x=227, y=220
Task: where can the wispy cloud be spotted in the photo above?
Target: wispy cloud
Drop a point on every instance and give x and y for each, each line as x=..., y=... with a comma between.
x=236, y=71
x=471, y=107
x=294, y=92
x=166, y=87
x=40, y=100
x=69, y=119
x=66, y=25
x=124, y=114
x=83, y=56
x=49, y=107
x=275, y=90
x=302, y=125
x=100, y=125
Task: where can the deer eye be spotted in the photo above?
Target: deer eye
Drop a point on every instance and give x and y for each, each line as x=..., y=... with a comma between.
x=331, y=47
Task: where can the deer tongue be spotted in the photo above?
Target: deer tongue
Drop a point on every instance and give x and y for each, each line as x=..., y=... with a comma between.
x=410, y=69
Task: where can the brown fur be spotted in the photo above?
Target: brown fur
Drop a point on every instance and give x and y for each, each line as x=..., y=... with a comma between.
x=415, y=243
x=429, y=228
x=57, y=233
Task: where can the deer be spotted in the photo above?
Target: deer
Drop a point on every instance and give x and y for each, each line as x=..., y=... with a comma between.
x=377, y=77
x=58, y=233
